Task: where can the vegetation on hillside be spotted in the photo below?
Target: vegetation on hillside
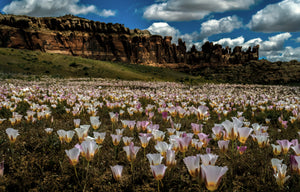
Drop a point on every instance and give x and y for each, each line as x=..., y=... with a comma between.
x=16, y=61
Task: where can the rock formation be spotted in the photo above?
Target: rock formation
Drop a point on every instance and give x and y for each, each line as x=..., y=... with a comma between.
x=112, y=42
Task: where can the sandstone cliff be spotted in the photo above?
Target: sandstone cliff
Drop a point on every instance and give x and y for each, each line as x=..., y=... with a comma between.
x=113, y=42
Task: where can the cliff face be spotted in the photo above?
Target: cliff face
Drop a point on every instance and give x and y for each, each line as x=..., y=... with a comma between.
x=113, y=42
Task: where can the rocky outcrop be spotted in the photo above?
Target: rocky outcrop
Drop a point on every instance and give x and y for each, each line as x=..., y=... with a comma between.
x=113, y=42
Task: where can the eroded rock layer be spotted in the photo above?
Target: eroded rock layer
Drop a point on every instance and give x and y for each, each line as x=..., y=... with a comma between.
x=113, y=42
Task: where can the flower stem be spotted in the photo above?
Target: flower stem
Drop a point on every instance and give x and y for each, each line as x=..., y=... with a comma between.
x=158, y=185
x=162, y=185
x=77, y=176
x=131, y=166
x=86, y=176
x=116, y=152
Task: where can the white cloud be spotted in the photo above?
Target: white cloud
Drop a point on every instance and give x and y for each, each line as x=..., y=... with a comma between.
x=53, y=8
x=107, y=13
x=287, y=54
x=297, y=40
x=231, y=42
x=280, y=17
x=223, y=25
x=275, y=43
x=161, y=12
x=163, y=29
x=179, y=10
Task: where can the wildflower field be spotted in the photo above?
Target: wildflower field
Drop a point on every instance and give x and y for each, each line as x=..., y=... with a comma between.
x=113, y=135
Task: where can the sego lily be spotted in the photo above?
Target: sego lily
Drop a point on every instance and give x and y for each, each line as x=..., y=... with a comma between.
x=76, y=123
x=162, y=147
x=127, y=140
x=73, y=155
x=296, y=149
x=155, y=158
x=193, y=165
x=285, y=145
x=158, y=171
x=69, y=135
x=117, y=171
x=184, y=143
x=99, y=137
x=116, y=139
x=197, y=128
x=170, y=158
x=49, y=130
x=95, y=122
x=89, y=149
x=12, y=134
x=82, y=132
x=280, y=174
x=145, y=138
x=208, y=159
x=223, y=145
x=62, y=135
x=213, y=176
x=276, y=149
x=131, y=151
x=243, y=134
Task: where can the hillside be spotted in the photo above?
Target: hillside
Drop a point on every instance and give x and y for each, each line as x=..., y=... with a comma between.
x=17, y=61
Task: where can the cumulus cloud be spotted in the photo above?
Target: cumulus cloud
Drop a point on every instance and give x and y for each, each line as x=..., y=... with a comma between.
x=231, y=42
x=297, y=40
x=53, y=8
x=179, y=10
x=107, y=13
x=276, y=42
x=273, y=49
x=163, y=29
x=280, y=17
x=223, y=25
x=288, y=54
x=161, y=12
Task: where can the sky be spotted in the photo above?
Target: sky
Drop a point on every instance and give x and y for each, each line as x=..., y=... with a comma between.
x=273, y=24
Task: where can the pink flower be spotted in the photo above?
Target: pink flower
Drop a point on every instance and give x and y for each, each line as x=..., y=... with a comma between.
x=170, y=158
x=165, y=115
x=296, y=149
x=158, y=171
x=285, y=145
x=73, y=155
x=117, y=171
x=241, y=149
x=145, y=138
x=193, y=165
x=217, y=131
x=184, y=143
x=131, y=151
x=213, y=176
x=223, y=145
x=197, y=128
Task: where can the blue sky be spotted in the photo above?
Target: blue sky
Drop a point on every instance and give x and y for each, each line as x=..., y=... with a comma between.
x=273, y=24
